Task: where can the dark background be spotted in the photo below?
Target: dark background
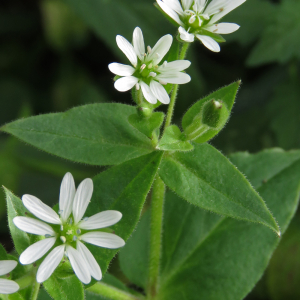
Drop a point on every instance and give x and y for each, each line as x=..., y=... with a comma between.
x=54, y=56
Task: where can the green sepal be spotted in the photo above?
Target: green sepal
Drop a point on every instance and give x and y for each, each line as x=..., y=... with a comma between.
x=147, y=125
x=227, y=95
x=172, y=140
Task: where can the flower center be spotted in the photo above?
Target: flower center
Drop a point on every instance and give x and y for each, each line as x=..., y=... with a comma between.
x=69, y=233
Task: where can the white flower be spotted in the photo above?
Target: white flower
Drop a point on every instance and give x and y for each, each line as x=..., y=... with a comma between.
x=146, y=73
x=197, y=18
x=7, y=286
x=68, y=232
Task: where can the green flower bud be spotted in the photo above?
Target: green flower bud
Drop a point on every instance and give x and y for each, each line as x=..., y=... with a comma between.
x=212, y=117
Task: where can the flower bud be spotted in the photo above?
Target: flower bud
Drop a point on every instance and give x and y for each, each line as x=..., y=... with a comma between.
x=212, y=117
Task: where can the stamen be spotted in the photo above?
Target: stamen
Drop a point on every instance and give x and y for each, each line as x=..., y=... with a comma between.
x=69, y=232
x=61, y=227
x=137, y=86
x=152, y=74
x=162, y=82
x=165, y=63
x=60, y=211
x=157, y=55
x=47, y=235
x=71, y=221
x=63, y=239
x=205, y=16
x=78, y=231
x=74, y=238
x=149, y=49
x=143, y=67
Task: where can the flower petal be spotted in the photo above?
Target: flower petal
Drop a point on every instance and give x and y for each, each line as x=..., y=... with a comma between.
x=36, y=251
x=33, y=226
x=174, y=77
x=209, y=43
x=101, y=220
x=159, y=92
x=175, y=66
x=147, y=93
x=40, y=209
x=185, y=36
x=8, y=286
x=121, y=70
x=79, y=265
x=66, y=196
x=160, y=49
x=103, y=239
x=7, y=266
x=138, y=44
x=82, y=198
x=223, y=28
x=50, y=263
x=226, y=8
x=127, y=49
x=126, y=83
x=170, y=12
x=187, y=4
x=175, y=5
x=90, y=261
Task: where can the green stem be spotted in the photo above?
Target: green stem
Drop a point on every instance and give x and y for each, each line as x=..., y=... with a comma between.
x=35, y=291
x=157, y=203
x=111, y=292
x=182, y=55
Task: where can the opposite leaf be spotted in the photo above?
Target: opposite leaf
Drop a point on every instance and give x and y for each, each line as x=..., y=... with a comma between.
x=192, y=120
x=172, y=140
x=207, y=179
x=97, y=134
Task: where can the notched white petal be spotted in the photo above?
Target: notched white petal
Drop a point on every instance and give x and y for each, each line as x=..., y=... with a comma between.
x=66, y=196
x=8, y=286
x=50, y=263
x=185, y=36
x=90, y=261
x=82, y=198
x=120, y=69
x=223, y=28
x=126, y=83
x=159, y=92
x=103, y=239
x=174, y=77
x=40, y=209
x=170, y=12
x=138, y=43
x=101, y=220
x=147, y=93
x=209, y=43
x=160, y=49
x=175, y=66
x=127, y=49
x=7, y=266
x=78, y=264
x=33, y=226
x=36, y=251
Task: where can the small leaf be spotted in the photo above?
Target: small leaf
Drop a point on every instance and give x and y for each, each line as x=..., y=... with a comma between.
x=123, y=188
x=97, y=134
x=172, y=140
x=207, y=179
x=147, y=125
x=69, y=288
x=16, y=208
x=3, y=254
x=226, y=95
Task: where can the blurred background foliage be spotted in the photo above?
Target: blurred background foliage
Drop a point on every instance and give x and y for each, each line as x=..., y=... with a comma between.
x=54, y=56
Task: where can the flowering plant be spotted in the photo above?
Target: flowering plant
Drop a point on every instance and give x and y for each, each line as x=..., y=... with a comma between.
x=212, y=222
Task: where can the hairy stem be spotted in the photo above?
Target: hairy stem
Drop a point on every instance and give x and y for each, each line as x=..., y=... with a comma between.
x=111, y=292
x=182, y=55
x=157, y=203
x=35, y=291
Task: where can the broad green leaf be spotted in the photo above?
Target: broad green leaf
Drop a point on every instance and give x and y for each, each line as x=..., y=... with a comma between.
x=226, y=95
x=15, y=296
x=207, y=179
x=227, y=261
x=16, y=208
x=69, y=288
x=280, y=39
x=43, y=295
x=134, y=256
x=97, y=134
x=123, y=188
x=172, y=140
x=147, y=125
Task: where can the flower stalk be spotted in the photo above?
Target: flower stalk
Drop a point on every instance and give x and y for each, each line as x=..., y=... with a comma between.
x=157, y=205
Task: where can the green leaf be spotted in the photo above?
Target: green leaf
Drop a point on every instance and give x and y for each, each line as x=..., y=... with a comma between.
x=3, y=254
x=97, y=134
x=172, y=140
x=15, y=296
x=231, y=256
x=280, y=39
x=134, y=256
x=64, y=289
x=147, y=125
x=226, y=95
x=207, y=179
x=16, y=208
x=123, y=188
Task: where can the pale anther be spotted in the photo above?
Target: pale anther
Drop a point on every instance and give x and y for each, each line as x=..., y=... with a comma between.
x=47, y=235
x=78, y=231
x=143, y=66
x=152, y=74
x=149, y=49
x=74, y=238
x=63, y=239
x=61, y=227
x=137, y=86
